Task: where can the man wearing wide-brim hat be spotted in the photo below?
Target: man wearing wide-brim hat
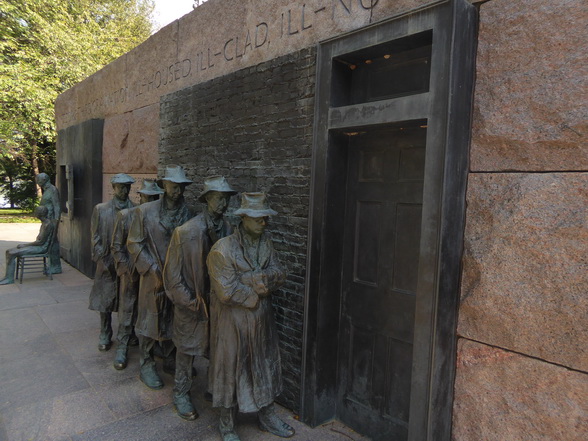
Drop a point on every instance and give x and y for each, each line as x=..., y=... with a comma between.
x=128, y=275
x=151, y=229
x=104, y=294
x=186, y=282
x=245, y=361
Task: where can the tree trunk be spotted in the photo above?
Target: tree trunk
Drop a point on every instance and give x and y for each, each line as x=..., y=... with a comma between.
x=11, y=191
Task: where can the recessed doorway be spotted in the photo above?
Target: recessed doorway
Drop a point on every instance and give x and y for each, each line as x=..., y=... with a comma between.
x=392, y=127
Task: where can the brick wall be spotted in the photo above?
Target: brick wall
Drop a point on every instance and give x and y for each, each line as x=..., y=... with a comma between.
x=254, y=127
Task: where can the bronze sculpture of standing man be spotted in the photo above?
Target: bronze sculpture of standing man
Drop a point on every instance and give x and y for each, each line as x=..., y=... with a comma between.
x=149, y=237
x=50, y=199
x=104, y=294
x=128, y=275
x=187, y=285
x=245, y=361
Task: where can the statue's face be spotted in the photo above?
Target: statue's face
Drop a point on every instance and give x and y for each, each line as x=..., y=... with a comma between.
x=41, y=180
x=143, y=198
x=121, y=191
x=173, y=191
x=217, y=202
x=254, y=226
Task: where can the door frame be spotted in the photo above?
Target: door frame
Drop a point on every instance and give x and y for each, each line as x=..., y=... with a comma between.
x=447, y=109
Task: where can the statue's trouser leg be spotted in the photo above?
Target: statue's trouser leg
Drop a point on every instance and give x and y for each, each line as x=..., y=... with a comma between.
x=183, y=375
x=168, y=349
x=125, y=329
x=148, y=373
x=105, y=328
x=226, y=422
x=123, y=335
x=168, y=353
x=126, y=319
x=55, y=258
x=146, y=351
x=10, y=265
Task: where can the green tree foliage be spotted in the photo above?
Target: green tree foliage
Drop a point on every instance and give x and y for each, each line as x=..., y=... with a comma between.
x=47, y=46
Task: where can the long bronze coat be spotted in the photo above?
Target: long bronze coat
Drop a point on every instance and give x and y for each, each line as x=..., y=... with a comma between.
x=104, y=294
x=149, y=237
x=245, y=360
x=127, y=274
x=50, y=199
x=186, y=282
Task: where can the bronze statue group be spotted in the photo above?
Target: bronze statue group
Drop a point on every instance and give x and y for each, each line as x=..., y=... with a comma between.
x=187, y=286
x=48, y=212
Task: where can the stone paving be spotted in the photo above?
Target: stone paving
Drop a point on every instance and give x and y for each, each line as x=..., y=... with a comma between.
x=56, y=386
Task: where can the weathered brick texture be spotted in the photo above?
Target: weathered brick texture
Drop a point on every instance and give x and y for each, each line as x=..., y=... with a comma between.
x=254, y=127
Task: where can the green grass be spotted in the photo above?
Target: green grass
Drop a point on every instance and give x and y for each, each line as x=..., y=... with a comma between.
x=12, y=216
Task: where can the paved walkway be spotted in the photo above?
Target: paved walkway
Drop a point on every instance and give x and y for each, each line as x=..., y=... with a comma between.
x=56, y=386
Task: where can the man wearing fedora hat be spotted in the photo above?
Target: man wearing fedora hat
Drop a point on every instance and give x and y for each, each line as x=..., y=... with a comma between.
x=128, y=275
x=151, y=229
x=245, y=361
x=186, y=282
x=104, y=294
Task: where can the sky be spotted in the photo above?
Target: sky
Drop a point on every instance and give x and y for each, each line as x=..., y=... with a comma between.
x=167, y=11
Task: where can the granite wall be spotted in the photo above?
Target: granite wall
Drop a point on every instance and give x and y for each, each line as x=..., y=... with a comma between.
x=522, y=366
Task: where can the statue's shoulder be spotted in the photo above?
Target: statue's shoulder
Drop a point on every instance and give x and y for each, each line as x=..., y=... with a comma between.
x=102, y=206
x=226, y=243
x=148, y=209
x=192, y=229
x=124, y=213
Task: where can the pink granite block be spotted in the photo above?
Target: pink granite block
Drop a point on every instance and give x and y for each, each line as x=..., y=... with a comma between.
x=530, y=105
x=525, y=266
x=504, y=396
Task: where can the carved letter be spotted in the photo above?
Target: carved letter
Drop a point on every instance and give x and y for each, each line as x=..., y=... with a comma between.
x=201, y=57
x=263, y=26
x=177, y=68
x=237, y=54
x=186, y=68
x=209, y=63
x=247, y=42
x=158, y=81
x=225, y=50
x=304, y=27
x=290, y=32
x=342, y=2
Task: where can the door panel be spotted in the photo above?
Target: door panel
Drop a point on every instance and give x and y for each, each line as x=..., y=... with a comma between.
x=379, y=277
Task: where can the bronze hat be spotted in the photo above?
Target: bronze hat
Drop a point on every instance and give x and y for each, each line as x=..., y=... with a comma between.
x=175, y=173
x=215, y=183
x=122, y=178
x=150, y=188
x=255, y=205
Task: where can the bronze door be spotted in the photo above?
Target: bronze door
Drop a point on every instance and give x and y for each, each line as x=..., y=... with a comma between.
x=380, y=260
